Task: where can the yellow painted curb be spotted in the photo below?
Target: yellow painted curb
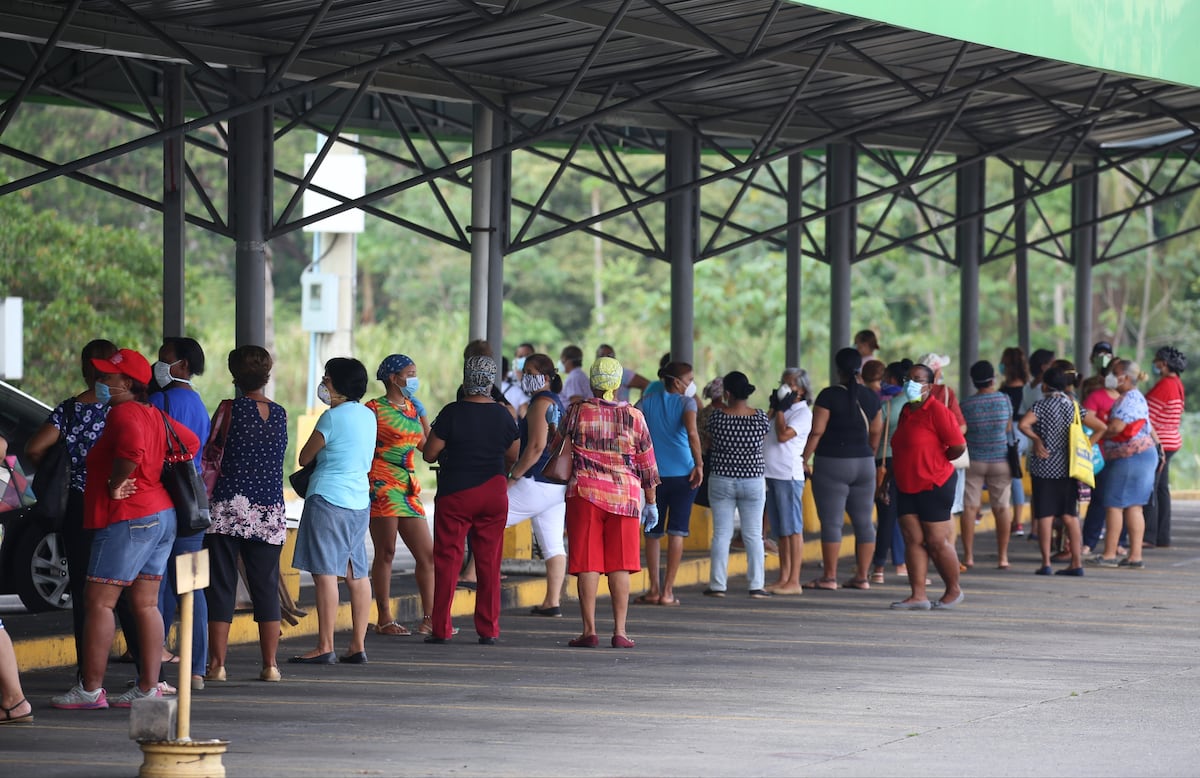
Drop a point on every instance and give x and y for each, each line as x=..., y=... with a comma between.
x=59, y=651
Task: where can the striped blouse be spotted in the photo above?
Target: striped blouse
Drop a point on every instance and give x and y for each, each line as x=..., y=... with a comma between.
x=1166, y=411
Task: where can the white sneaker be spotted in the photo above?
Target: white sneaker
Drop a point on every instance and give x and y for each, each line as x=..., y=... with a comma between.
x=78, y=699
x=125, y=700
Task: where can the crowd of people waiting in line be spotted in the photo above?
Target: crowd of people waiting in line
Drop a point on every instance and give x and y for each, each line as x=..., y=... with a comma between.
x=889, y=445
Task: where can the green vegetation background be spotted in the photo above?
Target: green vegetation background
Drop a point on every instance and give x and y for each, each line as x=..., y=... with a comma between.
x=87, y=265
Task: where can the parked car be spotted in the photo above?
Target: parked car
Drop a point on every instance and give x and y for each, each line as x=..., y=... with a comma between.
x=33, y=561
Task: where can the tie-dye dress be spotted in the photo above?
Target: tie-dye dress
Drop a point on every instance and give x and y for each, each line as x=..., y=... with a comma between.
x=395, y=491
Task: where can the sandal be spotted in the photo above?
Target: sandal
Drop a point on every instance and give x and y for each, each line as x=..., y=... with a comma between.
x=646, y=599
x=426, y=627
x=857, y=583
x=829, y=584
x=392, y=628
x=877, y=576
x=9, y=718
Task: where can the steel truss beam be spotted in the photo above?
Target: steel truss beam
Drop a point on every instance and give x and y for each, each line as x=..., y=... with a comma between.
x=315, y=104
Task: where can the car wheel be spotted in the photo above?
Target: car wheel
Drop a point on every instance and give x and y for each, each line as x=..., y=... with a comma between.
x=42, y=578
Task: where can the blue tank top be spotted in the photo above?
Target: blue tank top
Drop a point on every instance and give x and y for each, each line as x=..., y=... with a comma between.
x=554, y=414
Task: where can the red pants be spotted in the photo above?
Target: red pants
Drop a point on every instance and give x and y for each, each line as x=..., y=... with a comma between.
x=481, y=511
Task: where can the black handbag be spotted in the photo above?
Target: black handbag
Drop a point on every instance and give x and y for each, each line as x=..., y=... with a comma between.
x=1013, y=455
x=52, y=479
x=299, y=479
x=185, y=486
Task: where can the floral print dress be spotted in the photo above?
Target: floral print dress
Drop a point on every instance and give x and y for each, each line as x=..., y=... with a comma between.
x=247, y=501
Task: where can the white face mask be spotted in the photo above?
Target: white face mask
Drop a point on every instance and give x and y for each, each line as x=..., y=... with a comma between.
x=323, y=394
x=783, y=391
x=690, y=391
x=1111, y=381
x=162, y=374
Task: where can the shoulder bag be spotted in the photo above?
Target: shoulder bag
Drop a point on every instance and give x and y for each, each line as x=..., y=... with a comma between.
x=183, y=483
x=1079, y=451
x=52, y=480
x=214, y=447
x=561, y=464
x=300, y=479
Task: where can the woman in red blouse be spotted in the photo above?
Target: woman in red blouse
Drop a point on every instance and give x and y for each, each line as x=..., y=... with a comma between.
x=927, y=438
x=1166, y=413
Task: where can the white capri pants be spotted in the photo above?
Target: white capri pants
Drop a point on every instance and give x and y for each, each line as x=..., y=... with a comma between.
x=546, y=505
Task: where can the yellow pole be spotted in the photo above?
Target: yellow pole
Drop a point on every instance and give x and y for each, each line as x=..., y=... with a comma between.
x=185, y=666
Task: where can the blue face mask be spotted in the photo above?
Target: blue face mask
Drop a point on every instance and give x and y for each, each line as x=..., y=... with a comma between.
x=519, y=365
x=912, y=391
x=890, y=390
x=411, y=384
x=1001, y=369
x=1156, y=369
x=103, y=393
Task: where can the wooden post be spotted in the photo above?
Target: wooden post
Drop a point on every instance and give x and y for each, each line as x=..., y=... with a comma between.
x=191, y=573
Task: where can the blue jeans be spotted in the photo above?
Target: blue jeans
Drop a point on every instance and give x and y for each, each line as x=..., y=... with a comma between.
x=168, y=600
x=746, y=497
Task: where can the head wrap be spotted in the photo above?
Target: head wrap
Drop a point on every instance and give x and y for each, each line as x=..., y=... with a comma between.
x=715, y=388
x=479, y=374
x=391, y=365
x=606, y=376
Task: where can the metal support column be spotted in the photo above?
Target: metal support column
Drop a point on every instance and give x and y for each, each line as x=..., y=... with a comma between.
x=792, y=345
x=968, y=245
x=481, y=223
x=841, y=176
x=174, y=212
x=499, y=199
x=1021, y=257
x=1084, y=210
x=251, y=166
x=683, y=236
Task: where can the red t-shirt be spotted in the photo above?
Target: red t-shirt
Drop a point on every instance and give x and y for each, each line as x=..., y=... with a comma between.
x=919, y=445
x=135, y=432
x=1099, y=402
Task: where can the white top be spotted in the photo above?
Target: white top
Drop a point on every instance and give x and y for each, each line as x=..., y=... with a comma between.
x=513, y=393
x=576, y=384
x=784, y=460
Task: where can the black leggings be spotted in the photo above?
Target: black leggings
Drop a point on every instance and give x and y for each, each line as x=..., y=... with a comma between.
x=262, y=576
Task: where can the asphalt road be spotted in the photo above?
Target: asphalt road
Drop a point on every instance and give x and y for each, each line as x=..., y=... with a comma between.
x=1032, y=675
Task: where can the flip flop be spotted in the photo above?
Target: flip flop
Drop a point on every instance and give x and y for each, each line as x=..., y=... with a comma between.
x=646, y=599
x=829, y=584
x=392, y=628
x=9, y=718
x=857, y=583
x=670, y=602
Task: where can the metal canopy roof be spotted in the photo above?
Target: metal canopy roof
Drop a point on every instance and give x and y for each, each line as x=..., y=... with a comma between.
x=735, y=69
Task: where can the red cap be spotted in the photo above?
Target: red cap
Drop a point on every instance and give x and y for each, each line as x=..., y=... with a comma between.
x=126, y=362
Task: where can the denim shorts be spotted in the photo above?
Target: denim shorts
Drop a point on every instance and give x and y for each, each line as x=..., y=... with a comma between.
x=133, y=549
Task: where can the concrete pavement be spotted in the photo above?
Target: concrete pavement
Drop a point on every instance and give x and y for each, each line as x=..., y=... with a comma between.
x=1033, y=675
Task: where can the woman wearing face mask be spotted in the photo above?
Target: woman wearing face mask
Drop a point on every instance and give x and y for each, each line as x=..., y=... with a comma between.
x=531, y=497
x=134, y=522
x=333, y=527
x=671, y=416
x=396, y=494
x=1166, y=412
x=179, y=361
x=248, y=517
x=791, y=421
x=889, y=538
x=78, y=420
x=1131, y=461
x=926, y=439
x=1099, y=401
x=1047, y=425
x=846, y=430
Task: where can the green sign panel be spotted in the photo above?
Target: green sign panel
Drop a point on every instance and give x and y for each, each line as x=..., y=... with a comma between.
x=1154, y=39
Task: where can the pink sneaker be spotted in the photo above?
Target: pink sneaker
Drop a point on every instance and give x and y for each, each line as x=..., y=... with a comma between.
x=78, y=699
x=135, y=693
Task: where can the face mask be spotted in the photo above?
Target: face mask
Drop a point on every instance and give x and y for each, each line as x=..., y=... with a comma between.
x=1100, y=361
x=103, y=393
x=1001, y=370
x=162, y=374
x=690, y=391
x=532, y=384
x=1156, y=369
x=410, y=386
x=891, y=390
x=1110, y=381
x=518, y=365
x=913, y=391
x=323, y=394
x=783, y=391
x=559, y=365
